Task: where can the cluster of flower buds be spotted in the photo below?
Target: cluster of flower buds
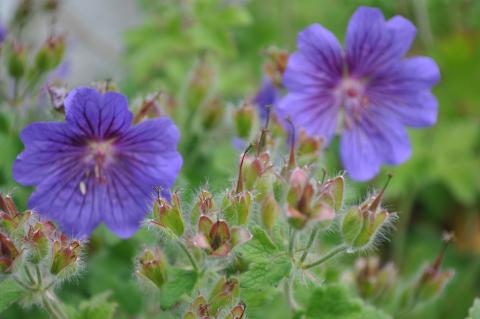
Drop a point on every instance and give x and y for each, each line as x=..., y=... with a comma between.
x=217, y=238
x=373, y=279
x=26, y=240
x=222, y=296
x=152, y=267
x=309, y=200
x=363, y=225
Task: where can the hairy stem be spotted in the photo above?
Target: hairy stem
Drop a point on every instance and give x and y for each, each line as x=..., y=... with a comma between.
x=309, y=245
x=189, y=255
x=329, y=255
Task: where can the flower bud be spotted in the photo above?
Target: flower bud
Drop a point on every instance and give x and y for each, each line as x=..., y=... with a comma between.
x=223, y=294
x=363, y=225
x=371, y=278
x=151, y=107
x=169, y=216
x=16, y=61
x=200, y=84
x=38, y=242
x=237, y=312
x=433, y=279
x=212, y=113
x=152, y=266
x=50, y=54
x=199, y=309
x=217, y=239
x=309, y=147
x=269, y=211
x=307, y=201
x=205, y=204
x=8, y=254
x=239, y=206
x=276, y=64
x=65, y=255
x=244, y=119
x=11, y=220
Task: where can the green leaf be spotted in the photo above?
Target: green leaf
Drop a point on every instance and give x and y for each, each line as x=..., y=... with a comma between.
x=10, y=292
x=474, y=312
x=180, y=282
x=98, y=307
x=267, y=264
x=334, y=302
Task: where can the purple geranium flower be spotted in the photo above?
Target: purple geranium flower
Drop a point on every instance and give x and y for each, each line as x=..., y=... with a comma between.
x=369, y=89
x=97, y=167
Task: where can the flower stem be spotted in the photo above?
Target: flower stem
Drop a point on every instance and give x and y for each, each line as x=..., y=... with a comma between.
x=289, y=292
x=329, y=255
x=309, y=245
x=52, y=306
x=189, y=255
x=291, y=243
x=39, y=275
x=30, y=276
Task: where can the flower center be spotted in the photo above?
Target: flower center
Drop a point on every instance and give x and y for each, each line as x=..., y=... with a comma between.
x=99, y=155
x=351, y=93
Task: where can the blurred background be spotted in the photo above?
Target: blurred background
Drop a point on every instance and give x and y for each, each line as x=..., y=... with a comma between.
x=150, y=45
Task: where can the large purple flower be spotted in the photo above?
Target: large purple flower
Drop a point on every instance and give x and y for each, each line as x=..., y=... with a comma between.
x=96, y=167
x=369, y=90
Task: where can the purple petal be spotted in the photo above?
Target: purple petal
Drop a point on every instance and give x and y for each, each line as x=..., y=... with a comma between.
x=97, y=116
x=49, y=147
x=70, y=198
x=318, y=63
x=404, y=91
x=372, y=141
x=147, y=158
x=267, y=96
x=374, y=44
x=316, y=114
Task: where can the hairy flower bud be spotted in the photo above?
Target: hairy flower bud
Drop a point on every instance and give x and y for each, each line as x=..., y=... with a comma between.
x=371, y=278
x=237, y=207
x=152, y=266
x=244, y=119
x=308, y=201
x=212, y=114
x=223, y=294
x=65, y=255
x=433, y=279
x=38, y=241
x=10, y=218
x=269, y=211
x=50, y=54
x=199, y=309
x=237, y=312
x=204, y=205
x=169, y=216
x=8, y=254
x=364, y=224
x=216, y=238
x=16, y=61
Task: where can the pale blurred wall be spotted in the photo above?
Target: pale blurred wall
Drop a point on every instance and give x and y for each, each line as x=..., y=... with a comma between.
x=95, y=34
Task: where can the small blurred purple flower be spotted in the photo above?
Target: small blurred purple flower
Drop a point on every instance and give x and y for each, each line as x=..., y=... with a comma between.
x=369, y=89
x=3, y=33
x=268, y=95
x=96, y=167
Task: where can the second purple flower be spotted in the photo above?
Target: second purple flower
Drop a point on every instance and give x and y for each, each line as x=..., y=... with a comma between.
x=369, y=91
